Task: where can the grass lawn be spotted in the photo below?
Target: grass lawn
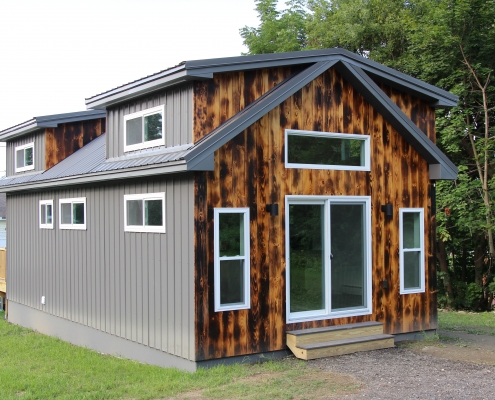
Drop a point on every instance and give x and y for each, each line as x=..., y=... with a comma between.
x=478, y=323
x=35, y=366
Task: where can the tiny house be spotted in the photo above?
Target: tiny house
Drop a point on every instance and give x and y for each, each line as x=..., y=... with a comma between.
x=229, y=207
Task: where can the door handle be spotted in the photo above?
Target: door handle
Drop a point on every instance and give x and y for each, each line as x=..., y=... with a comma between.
x=331, y=256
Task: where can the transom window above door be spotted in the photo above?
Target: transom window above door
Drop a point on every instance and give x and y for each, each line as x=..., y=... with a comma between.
x=144, y=129
x=327, y=150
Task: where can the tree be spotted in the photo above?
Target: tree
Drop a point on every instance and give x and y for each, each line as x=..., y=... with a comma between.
x=448, y=43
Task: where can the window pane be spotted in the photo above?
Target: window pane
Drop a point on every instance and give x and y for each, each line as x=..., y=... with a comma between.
x=325, y=150
x=66, y=216
x=28, y=154
x=348, y=264
x=411, y=230
x=43, y=214
x=153, y=127
x=231, y=227
x=78, y=213
x=307, y=272
x=133, y=131
x=231, y=281
x=48, y=213
x=135, y=212
x=153, y=213
x=19, y=158
x=412, y=269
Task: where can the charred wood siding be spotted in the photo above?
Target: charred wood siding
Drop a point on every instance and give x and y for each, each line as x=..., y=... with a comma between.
x=65, y=139
x=250, y=172
x=416, y=109
x=220, y=98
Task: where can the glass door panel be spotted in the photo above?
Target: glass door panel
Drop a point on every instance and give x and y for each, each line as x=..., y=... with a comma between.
x=348, y=263
x=307, y=263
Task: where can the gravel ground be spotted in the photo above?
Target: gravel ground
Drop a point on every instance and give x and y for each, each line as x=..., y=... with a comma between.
x=401, y=373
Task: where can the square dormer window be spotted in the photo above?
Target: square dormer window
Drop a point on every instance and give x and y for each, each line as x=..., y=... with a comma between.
x=24, y=157
x=144, y=129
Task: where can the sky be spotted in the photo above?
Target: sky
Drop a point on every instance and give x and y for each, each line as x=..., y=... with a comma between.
x=56, y=53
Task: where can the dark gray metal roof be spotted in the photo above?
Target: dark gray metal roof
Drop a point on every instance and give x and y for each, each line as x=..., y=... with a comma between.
x=89, y=164
x=49, y=121
x=204, y=69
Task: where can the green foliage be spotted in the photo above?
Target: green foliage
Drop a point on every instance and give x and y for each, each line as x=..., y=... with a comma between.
x=479, y=323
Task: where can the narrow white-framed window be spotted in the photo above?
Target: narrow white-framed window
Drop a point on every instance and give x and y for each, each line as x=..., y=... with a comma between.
x=24, y=157
x=46, y=214
x=327, y=150
x=232, y=255
x=412, y=250
x=144, y=212
x=72, y=213
x=144, y=129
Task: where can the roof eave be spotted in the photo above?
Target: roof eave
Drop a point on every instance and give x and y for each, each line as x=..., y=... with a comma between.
x=399, y=121
x=142, y=87
x=128, y=173
x=48, y=121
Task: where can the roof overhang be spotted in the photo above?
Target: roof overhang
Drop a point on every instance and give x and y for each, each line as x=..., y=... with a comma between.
x=49, y=121
x=204, y=69
x=96, y=177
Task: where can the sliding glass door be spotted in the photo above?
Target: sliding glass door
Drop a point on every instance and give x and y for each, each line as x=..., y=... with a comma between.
x=328, y=257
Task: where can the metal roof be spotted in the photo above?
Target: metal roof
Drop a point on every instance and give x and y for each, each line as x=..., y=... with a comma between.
x=204, y=69
x=49, y=121
x=88, y=165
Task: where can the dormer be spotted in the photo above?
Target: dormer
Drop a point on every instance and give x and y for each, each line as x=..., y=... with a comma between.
x=42, y=142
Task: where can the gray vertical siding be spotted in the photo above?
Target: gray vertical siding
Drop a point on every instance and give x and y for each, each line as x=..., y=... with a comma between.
x=137, y=286
x=38, y=138
x=178, y=118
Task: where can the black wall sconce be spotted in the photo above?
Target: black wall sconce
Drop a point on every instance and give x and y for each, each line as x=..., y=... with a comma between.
x=272, y=209
x=388, y=209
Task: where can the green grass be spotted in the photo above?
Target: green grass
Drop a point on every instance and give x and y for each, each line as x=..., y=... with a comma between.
x=477, y=323
x=35, y=366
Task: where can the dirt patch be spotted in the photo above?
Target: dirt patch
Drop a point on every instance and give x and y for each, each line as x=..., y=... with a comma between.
x=319, y=385
x=461, y=346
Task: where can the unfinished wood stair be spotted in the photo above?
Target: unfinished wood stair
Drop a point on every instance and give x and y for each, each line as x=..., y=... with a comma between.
x=308, y=344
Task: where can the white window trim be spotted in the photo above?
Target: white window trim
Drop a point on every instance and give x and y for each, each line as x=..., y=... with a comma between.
x=142, y=114
x=23, y=147
x=421, y=249
x=246, y=304
x=144, y=228
x=71, y=225
x=46, y=202
x=326, y=313
x=364, y=138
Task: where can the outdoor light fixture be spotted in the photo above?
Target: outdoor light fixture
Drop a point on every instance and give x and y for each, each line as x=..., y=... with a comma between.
x=388, y=209
x=272, y=209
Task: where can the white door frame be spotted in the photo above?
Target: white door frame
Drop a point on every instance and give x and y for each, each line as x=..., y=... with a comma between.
x=327, y=312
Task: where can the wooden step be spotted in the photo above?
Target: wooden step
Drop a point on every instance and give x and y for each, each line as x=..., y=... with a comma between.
x=326, y=334
x=342, y=346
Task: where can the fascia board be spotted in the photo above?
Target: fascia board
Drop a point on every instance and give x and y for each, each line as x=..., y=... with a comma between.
x=140, y=88
x=207, y=148
x=49, y=121
x=138, y=172
x=396, y=117
x=439, y=97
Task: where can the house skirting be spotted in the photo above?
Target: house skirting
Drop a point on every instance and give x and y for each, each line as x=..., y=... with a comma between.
x=103, y=342
x=94, y=339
